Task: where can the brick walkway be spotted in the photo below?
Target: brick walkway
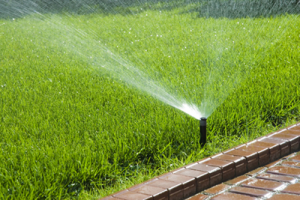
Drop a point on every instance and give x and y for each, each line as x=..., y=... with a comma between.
x=266, y=168
x=278, y=180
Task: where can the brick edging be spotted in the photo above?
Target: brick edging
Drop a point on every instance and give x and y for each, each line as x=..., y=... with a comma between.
x=193, y=178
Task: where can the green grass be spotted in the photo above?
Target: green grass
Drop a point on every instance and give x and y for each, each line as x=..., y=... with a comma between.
x=70, y=129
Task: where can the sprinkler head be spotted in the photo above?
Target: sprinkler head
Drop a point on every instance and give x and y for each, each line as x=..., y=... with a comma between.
x=202, y=131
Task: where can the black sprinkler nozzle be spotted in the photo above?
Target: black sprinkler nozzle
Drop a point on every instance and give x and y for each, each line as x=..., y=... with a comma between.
x=202, y=131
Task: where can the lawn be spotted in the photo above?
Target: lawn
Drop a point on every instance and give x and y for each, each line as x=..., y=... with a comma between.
x=88, y=102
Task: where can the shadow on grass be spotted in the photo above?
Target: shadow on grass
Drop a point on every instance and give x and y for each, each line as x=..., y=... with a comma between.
x=204, y=8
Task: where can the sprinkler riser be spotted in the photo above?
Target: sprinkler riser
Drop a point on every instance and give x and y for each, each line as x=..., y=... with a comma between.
x=202, y=131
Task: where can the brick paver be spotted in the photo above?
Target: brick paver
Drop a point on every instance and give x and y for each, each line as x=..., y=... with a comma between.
x=292, y=189
x=217, y=189
x=284, y=196
x=232, y=196
x=264, y=169
x=251, y=192
x=237, y=180
x=274, y=177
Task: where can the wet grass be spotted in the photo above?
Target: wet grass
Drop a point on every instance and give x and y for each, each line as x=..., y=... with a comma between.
x=70, y=129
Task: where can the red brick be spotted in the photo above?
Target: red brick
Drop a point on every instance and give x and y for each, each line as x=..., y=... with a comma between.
x=175, y=189
x=292, y=189
x=296, y=158
x=263, y=184
x=251, y=192
x=189, y=183
x=263, y=153
x=272, y=164
x=217, y=189
x=228, y=168
x=295, y=128
x=156, y=192
x=274, y=177
x=240, y=162
x=232, y=196
x=256, y=171
x=292, y=132
x=284, y=196
x=202, y=178
x=283, y=170
x=285, y=147
x=199, y=197
x=128, y=195
x=109, y=198
x=293, y=139
x=215, y=173
x=251, y=157
x=274, y=149
x=291, y=164
x=237, y=180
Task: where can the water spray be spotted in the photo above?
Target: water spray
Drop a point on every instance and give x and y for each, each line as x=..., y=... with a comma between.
x=203, y=131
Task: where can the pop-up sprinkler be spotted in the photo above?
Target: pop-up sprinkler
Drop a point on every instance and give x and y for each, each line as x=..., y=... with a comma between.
x=202, y=131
